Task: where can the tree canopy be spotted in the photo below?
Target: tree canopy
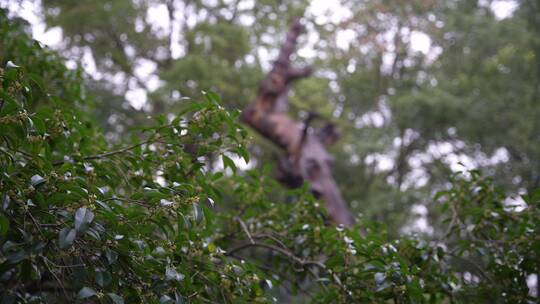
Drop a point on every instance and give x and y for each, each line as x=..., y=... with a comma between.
x=101, y=202
x=409, y=111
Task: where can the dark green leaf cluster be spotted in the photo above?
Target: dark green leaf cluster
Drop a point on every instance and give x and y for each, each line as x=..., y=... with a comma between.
x=81, y=219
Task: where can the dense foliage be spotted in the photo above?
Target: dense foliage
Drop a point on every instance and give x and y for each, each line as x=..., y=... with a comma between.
x=415, y=86
x=148, y=220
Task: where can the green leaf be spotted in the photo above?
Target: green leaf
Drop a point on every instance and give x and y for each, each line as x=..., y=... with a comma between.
x=155, y=195
x=227, y=162
x=179, y=298
x=10, y=105
x=8, y=298
x=86, y=292
x=115, y=298
x=75, y=190
x=37, y=80
x=242, y=152
x=59, y=198
x=383, y=286
x=4, y=225
x=39, y=125
x=415, y=290
x=165, y=299
x=172, y=274
x=36, y=180
x=190, y=106
x=11, y=65
x=103, y=278
x=104, y=205
x=212, y=97
x=111, y=256
x=66, y=237
x=198, y=214
x=83, y=218
x=17, y=257
x=440, y=194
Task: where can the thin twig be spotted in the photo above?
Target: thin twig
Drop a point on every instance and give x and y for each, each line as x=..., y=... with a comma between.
x=56, y=278
x=452, y=222
x=127, y=200
x=243, y=225
x=269, y=236
x=64, y=266
x=281, y=275
x=474, y=265
x=280, y=250
x=108, y=154
x=8, y=154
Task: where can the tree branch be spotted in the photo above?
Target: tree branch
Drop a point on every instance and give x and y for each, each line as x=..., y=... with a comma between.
x=307, y=157
x=285, y=252
x=108, y=154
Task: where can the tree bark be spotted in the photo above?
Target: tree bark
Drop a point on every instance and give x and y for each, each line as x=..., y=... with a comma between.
x=306, y=156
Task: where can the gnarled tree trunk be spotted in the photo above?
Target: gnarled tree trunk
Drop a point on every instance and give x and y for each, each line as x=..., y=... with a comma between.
x=307, y=158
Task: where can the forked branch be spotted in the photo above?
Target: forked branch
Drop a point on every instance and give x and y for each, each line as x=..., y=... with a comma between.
x=307, y=158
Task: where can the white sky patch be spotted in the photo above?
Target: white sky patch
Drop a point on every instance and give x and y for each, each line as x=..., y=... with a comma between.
x=328, y=11
x=500, y=155
x=420, y=42
x=370, y=119
x=262, y=54
x=177, y=50
x=153, y=83
x=416, y=178
x=420, y=222
x=158, y=178
x=307, y=50
x=119, y=79
x=158, y=17
x=246, y=20
x=532, y=283
x=440, y=149
x=419, y=210
x=381, y=161
x=89, y=64
x=137, y=98
x=448, y=151
x=31, y=12
x=144, y=68
x=515, y=203
x=344, y=38
x=130, y=51
x=52, y=37
x=375, y=118
x=245, y=5
x=503, y=9
x=460, y=162
x=325, y=12
x=388, y=60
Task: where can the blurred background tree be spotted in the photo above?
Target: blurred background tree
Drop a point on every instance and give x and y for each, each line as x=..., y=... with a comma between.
x=419, y=88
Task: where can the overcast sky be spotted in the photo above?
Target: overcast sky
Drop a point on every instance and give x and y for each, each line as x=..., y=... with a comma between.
x=324, y=10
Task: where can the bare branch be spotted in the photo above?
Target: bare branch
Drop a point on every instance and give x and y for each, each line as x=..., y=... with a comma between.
x=244, y=227
x=283, y=251
x=307, y=157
